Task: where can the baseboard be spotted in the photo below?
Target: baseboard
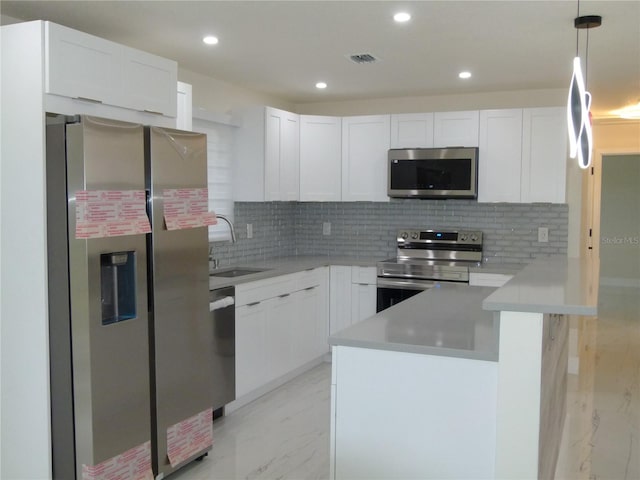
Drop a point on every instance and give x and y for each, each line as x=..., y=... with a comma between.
x=272, y=385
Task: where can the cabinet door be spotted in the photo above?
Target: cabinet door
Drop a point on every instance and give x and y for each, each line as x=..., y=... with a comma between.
x=281, y=155
x=365, y=145
x=320, y=158
x=290, y=158
x=500, y=153
x=363, y=301
x=339, y=298
x=184, y=113
x=305, y=324
x=544, y=155
x=272, y=152
x=412, y=130
x=456, y=129
x=280, y=317
x=149, y=82
x=251, y=354
x=79, y=65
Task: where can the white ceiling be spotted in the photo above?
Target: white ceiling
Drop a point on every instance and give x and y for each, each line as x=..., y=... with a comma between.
x=283, y=47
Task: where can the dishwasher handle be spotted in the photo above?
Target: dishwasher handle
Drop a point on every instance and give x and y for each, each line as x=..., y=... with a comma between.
x=223, y=302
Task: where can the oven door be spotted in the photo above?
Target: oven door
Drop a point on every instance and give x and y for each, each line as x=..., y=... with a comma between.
x=394, y=290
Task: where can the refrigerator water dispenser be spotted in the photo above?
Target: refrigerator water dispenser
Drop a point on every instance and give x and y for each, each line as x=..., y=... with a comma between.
x=118, y=287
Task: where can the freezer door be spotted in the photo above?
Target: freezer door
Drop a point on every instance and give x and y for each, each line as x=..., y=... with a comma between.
x=182, y=334
x=108, y=299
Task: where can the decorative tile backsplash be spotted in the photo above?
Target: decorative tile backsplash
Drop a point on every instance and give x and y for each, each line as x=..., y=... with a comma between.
x=368, y=229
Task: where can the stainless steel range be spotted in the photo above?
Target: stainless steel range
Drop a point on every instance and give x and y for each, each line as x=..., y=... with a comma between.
x=424, y=259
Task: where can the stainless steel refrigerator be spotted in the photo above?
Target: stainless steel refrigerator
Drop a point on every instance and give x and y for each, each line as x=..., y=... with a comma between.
x=130, y=339
x=182, y=333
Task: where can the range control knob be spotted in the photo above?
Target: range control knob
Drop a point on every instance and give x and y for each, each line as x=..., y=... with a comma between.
x=414, y=235
x=474, y=237
x=463, y=237
x=404, y=235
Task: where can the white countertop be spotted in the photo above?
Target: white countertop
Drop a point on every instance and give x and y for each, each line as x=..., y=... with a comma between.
x=447, y=320
x=284, y=265
x=549, y=285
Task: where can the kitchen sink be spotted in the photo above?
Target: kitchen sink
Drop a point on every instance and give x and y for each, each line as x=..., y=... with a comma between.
x=236, y=272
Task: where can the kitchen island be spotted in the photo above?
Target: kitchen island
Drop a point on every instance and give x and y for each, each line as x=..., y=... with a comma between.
x=459, y=381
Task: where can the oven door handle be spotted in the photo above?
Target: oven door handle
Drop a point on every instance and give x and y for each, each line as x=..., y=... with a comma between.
x=413, y=284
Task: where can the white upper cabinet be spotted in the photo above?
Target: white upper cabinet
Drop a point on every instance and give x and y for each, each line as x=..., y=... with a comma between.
x=412, y=130
x=89, y=68
x=320, y=158
x=544, y=155
x=499, y=165
x=184, y=113
x=267, y=160
x=149, y=82
x=365, y=143
x=79, y=65
x=282, y=155
x=523, y=155
x=456, y=129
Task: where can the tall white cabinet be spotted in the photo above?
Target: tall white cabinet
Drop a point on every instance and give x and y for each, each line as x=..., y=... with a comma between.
x=320, y=158
x=41, y=73
x=365, y=142
x=267, y=162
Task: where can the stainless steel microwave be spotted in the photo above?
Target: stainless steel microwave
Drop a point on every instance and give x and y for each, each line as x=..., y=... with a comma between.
x=433, y=172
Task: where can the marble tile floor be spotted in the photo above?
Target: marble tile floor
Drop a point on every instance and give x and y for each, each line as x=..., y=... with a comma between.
x=601, y=438
x=284, y=434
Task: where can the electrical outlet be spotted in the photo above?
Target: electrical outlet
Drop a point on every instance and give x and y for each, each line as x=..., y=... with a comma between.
x=249, y=230
x=543, y=234
x=326, y=228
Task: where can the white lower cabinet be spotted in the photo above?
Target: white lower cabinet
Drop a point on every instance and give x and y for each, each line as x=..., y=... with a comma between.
x=279, y=335
x=251, y=352
x=281, y=325
x=339, y=298
x=353, y=294
x=363, y=293
x=363, y=301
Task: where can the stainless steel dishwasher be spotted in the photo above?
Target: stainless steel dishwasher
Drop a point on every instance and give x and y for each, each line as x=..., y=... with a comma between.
x=222, y=314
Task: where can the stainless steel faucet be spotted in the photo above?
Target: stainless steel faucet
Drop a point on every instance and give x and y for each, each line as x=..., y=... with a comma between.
x=233, y=232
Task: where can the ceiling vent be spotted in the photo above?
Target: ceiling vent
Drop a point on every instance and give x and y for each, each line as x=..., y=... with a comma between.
x=363, y=58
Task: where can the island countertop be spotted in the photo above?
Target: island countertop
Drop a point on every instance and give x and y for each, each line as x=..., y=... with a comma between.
x=447, y=320
x=557, y=285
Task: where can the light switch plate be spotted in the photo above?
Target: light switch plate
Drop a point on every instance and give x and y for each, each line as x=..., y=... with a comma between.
x=543, y=234
x=249, y=230
x=326, y=228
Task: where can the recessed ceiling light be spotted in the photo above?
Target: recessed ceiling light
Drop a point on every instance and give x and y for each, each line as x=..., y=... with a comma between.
x=464, y=75
x=210, y=40
x=321, y=85
x=402, y=17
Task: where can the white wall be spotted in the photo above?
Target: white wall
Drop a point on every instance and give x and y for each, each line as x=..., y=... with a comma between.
x=24, y=331
x=437, y=103
x=620, y=220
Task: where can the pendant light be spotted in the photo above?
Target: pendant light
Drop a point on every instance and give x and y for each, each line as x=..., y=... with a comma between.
x=579, y=99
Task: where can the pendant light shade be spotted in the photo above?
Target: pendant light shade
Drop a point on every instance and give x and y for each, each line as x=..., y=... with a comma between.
x=579, y=101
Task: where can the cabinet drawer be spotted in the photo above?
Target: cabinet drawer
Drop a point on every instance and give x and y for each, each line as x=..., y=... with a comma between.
x=261, y=290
